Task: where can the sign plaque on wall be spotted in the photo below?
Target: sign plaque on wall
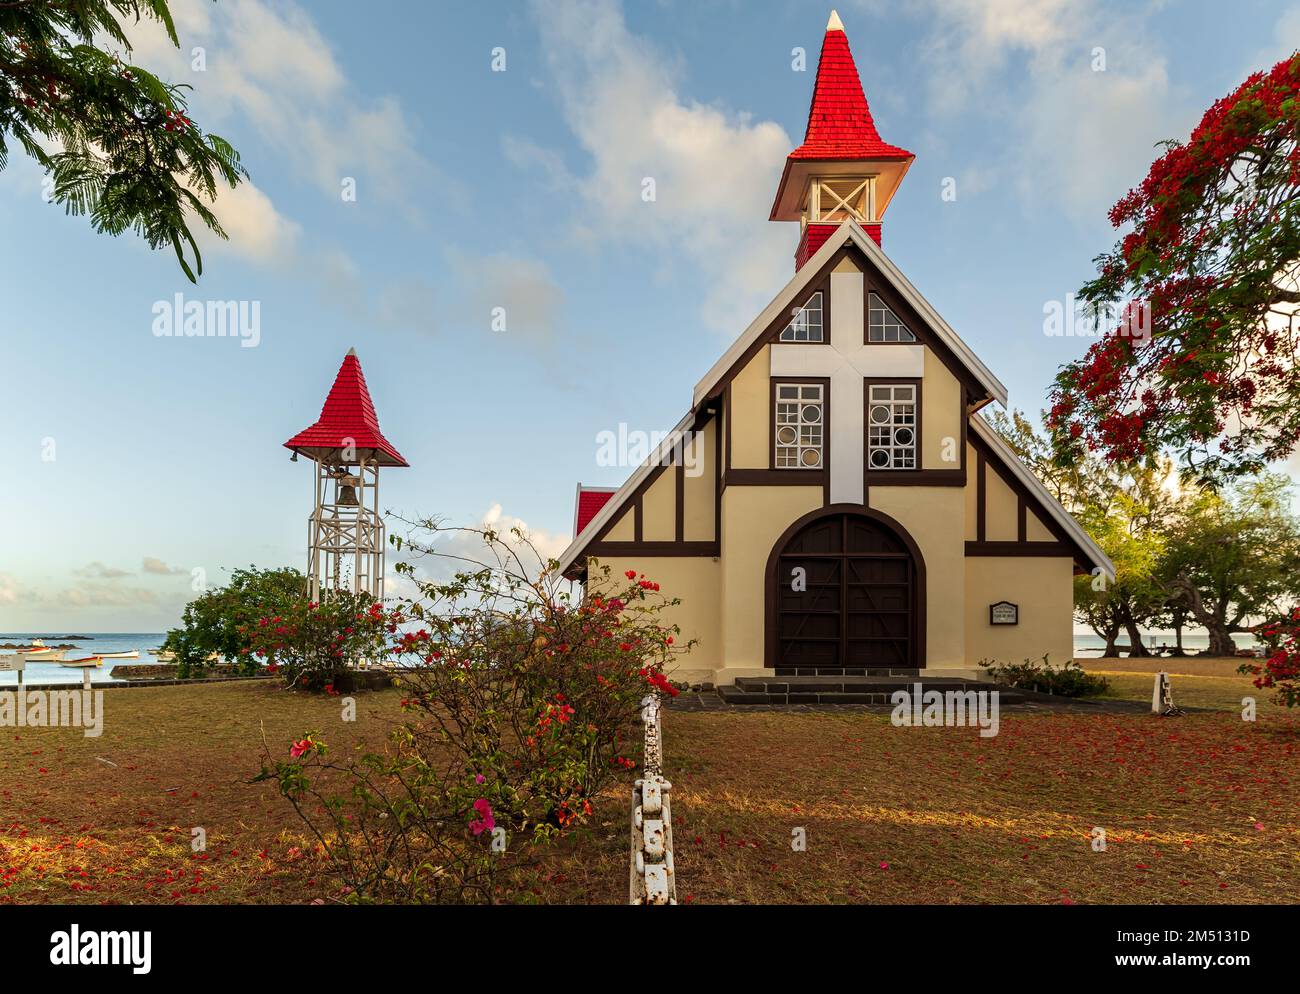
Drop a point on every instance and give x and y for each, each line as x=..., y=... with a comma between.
x=1004, y=613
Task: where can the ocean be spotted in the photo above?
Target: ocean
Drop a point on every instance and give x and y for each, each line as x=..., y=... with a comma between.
x=1086, y=646
x=96, y=642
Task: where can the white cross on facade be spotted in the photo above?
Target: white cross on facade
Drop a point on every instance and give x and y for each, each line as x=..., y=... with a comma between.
x=847, y=362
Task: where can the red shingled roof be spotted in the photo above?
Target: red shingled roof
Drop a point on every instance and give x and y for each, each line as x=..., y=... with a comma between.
x=839, y=120
x=348, y=417
x=589, y=504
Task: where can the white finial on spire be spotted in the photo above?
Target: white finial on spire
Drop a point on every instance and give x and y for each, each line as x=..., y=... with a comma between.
x=352, y=351
x=835, y=24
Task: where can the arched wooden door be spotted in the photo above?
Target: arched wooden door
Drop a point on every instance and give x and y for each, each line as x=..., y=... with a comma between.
x=845, y=593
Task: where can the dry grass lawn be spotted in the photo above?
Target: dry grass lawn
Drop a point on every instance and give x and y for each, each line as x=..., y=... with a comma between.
x=1203, y=808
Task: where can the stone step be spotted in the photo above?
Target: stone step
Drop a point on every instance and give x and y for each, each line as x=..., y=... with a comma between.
x=767, y=690
x=846, y=671
x=853, y=684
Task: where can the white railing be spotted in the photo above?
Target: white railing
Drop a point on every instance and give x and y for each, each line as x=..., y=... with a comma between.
x=650, y=871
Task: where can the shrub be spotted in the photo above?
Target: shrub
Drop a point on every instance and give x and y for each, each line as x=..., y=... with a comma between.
x=317, y=646
x=1280, y=669
x=520, y=700
x=1042, y=677
x=215, y=623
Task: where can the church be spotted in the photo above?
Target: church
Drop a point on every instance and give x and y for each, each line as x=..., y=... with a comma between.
x=833, y=503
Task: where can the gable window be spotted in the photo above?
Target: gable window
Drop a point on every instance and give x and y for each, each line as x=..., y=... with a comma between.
x=800, y=425
x=883, y=324
x=891, y=426
x=807, y=323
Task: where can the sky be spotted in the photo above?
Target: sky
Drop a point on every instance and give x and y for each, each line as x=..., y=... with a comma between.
x=418, y=171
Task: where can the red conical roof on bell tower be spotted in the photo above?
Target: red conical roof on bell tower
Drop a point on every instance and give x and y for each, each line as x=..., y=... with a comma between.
x=348, y=419
x=840, y=125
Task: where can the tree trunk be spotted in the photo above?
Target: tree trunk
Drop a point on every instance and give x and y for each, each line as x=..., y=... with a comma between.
x=1179, y=621
x=1110, y=634
x=1135, y=646
x=1221, y=643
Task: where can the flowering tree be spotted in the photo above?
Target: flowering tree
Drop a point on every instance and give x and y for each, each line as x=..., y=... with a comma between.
x=1213, y=252
x=1280, y=670
x=115, y=139
x=317, y=646
x=520, y=694
x=217, y=624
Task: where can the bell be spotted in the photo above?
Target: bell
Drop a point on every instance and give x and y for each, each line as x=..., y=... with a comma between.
x=348, y=492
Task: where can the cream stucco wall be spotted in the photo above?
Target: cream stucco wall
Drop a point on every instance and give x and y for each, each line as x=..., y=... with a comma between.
x=935, y=518
x=696, y=581
x=751, y=401
x=753, y=518
x=659, y=508
x=1043, y=589
x=624, y=528
x=1001, y=523
x=699, y=487
x=941, y=416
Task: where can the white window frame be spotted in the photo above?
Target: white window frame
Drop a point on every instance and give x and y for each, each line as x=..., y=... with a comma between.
x=799, y=408
x=901, y=407
x=889, y=322
x=800, y=323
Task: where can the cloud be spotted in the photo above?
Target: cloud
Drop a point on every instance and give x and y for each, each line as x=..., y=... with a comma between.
x=477, y=284
x=714, y=171
x=524, y=289
x=105, y=595
x=254, y=228
x=269, y=67
x=160, y=568
x=98, y=571
x=11, y=591
x=1078, y=137
x=462, y=550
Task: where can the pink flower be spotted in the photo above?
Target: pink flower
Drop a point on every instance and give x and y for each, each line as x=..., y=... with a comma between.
x=479, y=778
x=485, y=822
x=299, y=749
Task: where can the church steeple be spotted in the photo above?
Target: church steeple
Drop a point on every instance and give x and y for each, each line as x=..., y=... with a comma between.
x=843, y=168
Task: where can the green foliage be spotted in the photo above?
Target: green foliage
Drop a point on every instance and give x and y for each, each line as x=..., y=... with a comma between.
x=521, y=700
x=115, y=138
x=317, y=646
x=1042, y=677
x=216, y=623
x=1234, y=557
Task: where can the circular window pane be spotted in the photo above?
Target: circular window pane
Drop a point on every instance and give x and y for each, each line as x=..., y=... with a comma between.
x=812, y=414
x=811, y=457
x=903, y=436
x=786, y=435
x=880, y=414
x=880, y=459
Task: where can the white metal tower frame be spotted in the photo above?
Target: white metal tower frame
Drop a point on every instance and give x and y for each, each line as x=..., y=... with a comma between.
x=346, y=540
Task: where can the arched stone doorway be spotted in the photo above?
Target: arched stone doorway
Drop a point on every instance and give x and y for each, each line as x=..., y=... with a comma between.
x=845, y=592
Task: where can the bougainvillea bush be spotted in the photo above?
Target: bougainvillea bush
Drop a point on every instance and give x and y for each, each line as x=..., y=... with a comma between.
x=318, y=646
x=1214, y=253
x=1280, y=669
x=520, y=695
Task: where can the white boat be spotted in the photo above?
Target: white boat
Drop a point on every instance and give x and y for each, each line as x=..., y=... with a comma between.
x=83, y=662
x=38, y=652
x=127, y=654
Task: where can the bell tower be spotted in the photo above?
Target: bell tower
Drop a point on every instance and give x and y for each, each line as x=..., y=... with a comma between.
x=843, y=169
x=345, y=533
